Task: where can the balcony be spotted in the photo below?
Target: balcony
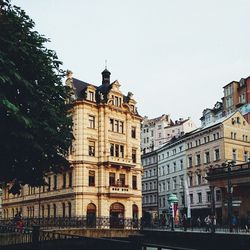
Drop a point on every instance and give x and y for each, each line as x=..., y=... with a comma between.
x=116, y=191
x=121, y=161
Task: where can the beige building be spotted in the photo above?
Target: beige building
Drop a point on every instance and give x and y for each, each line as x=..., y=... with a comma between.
x=226, y=139
x=105, y=175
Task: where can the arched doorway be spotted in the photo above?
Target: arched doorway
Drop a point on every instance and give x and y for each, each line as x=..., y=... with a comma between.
x=135, y=215
x=91, y=215
x=117, y=215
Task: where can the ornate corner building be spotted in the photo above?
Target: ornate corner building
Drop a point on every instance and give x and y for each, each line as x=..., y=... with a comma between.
x=105, y=175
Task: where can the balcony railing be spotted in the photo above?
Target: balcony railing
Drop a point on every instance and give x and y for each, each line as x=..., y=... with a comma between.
x=120, y=191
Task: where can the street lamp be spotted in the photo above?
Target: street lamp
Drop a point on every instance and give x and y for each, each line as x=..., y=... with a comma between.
x=172, y=200
x=229, y=166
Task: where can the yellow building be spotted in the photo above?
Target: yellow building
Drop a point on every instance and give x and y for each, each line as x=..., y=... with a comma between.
x=225, y=140
x=105, y=175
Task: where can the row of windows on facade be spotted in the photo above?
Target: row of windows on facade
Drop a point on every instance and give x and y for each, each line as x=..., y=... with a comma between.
x=205, y=140
x=148, y=161
x=116, y=150
x=115, y=100
x=113, y=180
x=170, y=153
x=114, y=126
x=149, y=186
x=234, y=136
x=216, y=157
x=149, y=199
x=48, y=210
x=167, y=169
x=177, y=182
x=198, y=180
x=66, y=182
x=149, y=173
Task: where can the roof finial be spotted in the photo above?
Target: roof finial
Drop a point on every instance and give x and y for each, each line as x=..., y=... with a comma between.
x=105, y=63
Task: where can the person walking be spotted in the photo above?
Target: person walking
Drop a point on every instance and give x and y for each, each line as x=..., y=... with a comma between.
x=207, y=221
x=198, y=222
x=184, y=222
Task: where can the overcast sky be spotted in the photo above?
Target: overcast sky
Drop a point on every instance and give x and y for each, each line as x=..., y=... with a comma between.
x=174, y=55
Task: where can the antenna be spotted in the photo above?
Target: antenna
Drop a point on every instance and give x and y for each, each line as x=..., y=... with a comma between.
x=105, y=63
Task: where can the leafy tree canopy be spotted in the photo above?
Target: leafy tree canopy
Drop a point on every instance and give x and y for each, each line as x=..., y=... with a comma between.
x=35, y=126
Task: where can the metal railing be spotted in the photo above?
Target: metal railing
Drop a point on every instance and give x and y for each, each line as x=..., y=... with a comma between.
x=77, y=222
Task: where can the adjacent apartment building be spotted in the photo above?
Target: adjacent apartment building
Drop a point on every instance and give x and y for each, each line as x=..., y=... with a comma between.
x=172, y=174
x=105, y=175
x=150, y=186
x=226, y=139
x=158, y=131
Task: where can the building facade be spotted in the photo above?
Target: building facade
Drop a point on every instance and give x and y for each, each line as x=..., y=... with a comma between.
x=152, y=132
x=172, y=174
x=237, y=180
x=212, y=115
x=105, y=175
x=237, y=97
x=159, y=131
x=150, y=186
x=226, y=139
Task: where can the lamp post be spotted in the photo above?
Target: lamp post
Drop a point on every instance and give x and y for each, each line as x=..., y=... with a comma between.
x=172, y=200
x=229, y=192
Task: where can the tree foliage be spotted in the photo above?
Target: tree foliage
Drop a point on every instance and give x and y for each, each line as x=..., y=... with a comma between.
x=35, y=125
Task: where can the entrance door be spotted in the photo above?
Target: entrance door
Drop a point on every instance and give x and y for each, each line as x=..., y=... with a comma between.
x=116, y=215
x=91, y=215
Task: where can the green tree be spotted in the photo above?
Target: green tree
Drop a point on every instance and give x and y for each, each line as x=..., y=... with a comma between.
x=35, y=124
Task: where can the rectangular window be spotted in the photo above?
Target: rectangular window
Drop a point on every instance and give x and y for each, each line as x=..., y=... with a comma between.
x=134, y=182
x=191, y=199
x=207, y=157
x=116, y=150
x=111, y=179
x=122, y=179
x=216, y=154
x=91, y=121
x=190, y=161
x=116, y=126
x=91, y=96
x=190, y=180
x=121, y=127
x=199, y=197
x=218, y=195
x=133, y=132
x=55, y=182
x=111, y=124
x=91, y=178
x=70, y=179
x=49, y=183
x=121, y=151
x=134, y=155
x=208, y=196
x=64, y=181
x=112, y=148
x=198, y=160
x=91, y=148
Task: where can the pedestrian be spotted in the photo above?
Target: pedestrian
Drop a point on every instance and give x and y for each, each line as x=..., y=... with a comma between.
x=184, y=222
x=235, y=223
x=207, y=221
x=198, y=222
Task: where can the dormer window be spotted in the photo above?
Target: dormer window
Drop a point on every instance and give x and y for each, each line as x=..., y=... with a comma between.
x=91, y=96
x=117, y=101
x=132, y=108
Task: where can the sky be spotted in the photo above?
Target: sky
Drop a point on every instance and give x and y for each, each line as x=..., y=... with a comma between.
x=175, y=56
